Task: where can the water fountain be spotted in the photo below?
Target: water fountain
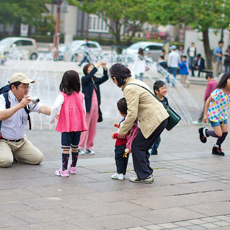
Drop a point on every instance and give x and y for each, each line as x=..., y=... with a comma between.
x=47, y=75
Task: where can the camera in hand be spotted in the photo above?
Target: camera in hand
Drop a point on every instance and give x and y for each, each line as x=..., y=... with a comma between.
x=35, y=100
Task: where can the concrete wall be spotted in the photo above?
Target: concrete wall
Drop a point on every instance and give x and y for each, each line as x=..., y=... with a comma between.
x=68, y=20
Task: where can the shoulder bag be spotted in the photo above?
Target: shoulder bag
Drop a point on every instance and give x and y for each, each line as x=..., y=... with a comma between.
x=173, y=118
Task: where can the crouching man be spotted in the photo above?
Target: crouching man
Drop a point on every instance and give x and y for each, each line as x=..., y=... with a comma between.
x=14, y=117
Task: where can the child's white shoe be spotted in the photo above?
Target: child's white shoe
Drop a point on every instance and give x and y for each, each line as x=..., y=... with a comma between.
x=117, y=176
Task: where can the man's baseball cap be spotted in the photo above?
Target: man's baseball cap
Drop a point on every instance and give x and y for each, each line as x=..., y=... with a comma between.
x=21, y=77
x=173, y=47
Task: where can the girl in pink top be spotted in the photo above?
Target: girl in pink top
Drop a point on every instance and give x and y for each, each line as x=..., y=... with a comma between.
x=71, y=119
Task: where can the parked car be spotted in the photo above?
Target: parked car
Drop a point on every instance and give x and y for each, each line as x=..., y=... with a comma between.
x=21, y=44
x=153, y=48
x=77, y=47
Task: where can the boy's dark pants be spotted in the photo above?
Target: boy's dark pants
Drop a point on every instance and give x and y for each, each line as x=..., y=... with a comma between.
x=121, y=162
x=140, y=147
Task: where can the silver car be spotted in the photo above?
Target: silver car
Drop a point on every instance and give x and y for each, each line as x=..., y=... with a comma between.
x=153, y=48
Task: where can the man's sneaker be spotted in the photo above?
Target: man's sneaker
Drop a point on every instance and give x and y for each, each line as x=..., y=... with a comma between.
x=72, y=170
x=81, y=152
x=62, y=173
x=92, y=152
x=117, y=176
x=147, y=180
x=202, y=133
x=216, y=150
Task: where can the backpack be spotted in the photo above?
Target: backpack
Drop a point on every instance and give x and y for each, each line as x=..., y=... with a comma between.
x=4, y=91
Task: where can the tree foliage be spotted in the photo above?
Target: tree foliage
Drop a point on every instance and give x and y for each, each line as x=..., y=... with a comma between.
x=22, y=11
x=199, y=14
x=119, y=14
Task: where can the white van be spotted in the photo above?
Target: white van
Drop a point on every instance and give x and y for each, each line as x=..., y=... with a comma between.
x=20, y=43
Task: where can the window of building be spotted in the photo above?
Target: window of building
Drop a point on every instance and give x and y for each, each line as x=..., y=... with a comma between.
x=96, y=24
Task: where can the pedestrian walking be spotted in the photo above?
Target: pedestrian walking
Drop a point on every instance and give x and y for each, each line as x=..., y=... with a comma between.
x=91, y=89
x=86, y=57
x=150, y=113
x=71, y=120
x=216, y=112
x=184, y=71
x=173, y=62
x=217, y=58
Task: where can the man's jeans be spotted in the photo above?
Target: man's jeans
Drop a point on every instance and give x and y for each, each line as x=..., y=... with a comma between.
x=173, y=71
x=190, y=63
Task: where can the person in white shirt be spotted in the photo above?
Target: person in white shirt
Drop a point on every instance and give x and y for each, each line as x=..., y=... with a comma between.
x=191, y=53
x=139, y=64
x=173, y=61
x=13, y=141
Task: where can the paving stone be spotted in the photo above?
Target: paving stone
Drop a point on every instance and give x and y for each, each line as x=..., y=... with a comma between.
x=168, y=225
x=183, y=223
x=180, y=228
x=153, y=227
x=168, y=190
x=209, y=225
x=196, y=221
x=209, y=219
x=168, y=215
x=9, y=220
x=211, y=209
x=205, y=186
x=195, y=227
x=191, y=178
x=207, y=197
x=222, y=223
x=110, y=222
x=14, y=206
x=47, y=215
x=164, y=202
x=51, y=226
x=113, y=208
x=223, y=217
x=136, y=228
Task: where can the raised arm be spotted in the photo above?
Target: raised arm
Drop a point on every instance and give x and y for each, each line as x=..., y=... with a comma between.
x=89, y=76
x=7, y=113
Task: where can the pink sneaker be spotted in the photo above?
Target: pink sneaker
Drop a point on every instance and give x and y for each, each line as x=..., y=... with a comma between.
x=62, y=173
x=72, y=170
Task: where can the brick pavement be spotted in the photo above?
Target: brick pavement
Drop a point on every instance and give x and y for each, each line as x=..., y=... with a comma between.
x=191, y=188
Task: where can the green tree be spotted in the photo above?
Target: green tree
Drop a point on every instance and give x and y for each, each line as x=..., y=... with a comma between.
x=199, y=14
x=121, y=16
x=22, y=11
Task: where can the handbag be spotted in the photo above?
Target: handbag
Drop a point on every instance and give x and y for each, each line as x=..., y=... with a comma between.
x=173, y=118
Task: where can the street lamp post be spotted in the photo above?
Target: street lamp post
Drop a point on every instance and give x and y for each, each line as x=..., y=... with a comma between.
x=56, y=34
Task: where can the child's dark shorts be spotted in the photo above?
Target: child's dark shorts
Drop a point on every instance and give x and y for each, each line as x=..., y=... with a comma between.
x=70, y=139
